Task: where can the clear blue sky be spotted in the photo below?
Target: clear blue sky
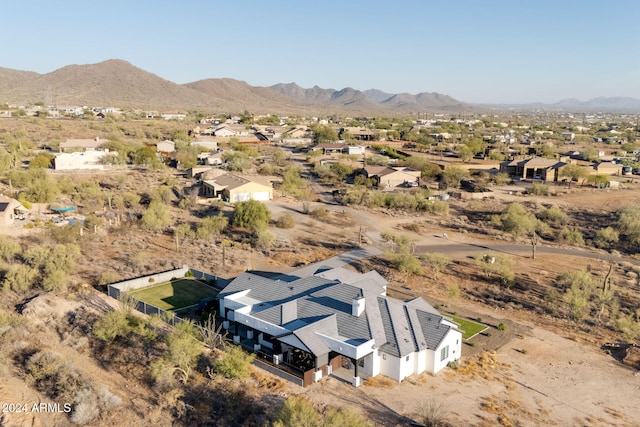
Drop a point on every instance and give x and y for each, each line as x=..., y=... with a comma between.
x=480, y=51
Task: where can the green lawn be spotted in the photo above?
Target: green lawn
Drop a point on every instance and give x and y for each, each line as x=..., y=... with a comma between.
x=176, y=294
x=469, y=327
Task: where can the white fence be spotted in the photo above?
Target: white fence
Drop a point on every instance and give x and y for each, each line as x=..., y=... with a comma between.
x=114, y=290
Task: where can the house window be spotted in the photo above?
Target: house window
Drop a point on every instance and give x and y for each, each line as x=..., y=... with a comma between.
x=384, y=356
x=407, y=359
x=444, y=353
x=361, y=363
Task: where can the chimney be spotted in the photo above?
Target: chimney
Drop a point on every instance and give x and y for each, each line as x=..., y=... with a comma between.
x=289, y=311
x=357, y=305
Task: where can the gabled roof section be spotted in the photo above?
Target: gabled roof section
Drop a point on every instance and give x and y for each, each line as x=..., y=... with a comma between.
x=370, y=281
x=319, y=311
x=229, y=181
x=308, y=336
x=432, y=328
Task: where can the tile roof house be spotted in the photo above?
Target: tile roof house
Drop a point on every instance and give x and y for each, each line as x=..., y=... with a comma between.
x=80, y=144
x=534, y=168
x=234, y=188
x=390, y=177
x=335, y=317
x=608, y=168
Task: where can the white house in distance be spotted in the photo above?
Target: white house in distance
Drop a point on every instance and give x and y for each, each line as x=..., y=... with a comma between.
x=90, y=159
x=318, y=323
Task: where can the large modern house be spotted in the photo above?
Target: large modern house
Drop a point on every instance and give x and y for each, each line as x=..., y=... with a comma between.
x=334, y=318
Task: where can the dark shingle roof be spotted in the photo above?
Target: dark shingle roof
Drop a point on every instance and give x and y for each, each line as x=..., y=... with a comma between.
x=316, y=305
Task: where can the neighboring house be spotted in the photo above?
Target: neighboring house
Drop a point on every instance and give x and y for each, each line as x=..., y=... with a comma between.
x=212, y=159
x=174, y=116
x=337, y=318
x=534, y=168
x=297, y=132
x=10, y=209
x=80, y=144
x=608, y=168
x=329, y=147
x=360, y=134
x=165, y=147
x=206, y=143
x=354, y=149
x=224, y=131
x=233, y=188
x=228, y=130
x=390, y=177
x=5, y=114
x=72, y=110
x=197, y=171
x=90, y=159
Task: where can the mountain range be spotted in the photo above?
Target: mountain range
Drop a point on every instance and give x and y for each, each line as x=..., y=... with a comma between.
x=118, y=83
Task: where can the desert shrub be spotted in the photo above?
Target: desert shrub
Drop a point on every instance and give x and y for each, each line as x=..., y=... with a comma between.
x=119, y=323
x=412, y=227
x=89, y=402
x=553, y=215
x=605, y=237
x=629, y=326
x=538, y=189
x=19, y=278
x=183, y=350
x=234, y=363
x=344, y=417
x=502, y=327
x=498, y=265
x=51, y=376
x=437, y=262
x=515, y=220
x=319, y=213
x=56, y=280
x=629, y=223
x=432, y=413
x=571, y=236
x=211, y=226
x=285, y=221
x=107, y=277
x=7, y=320
x=264, y=239
x=454, y=290
x=252, y=214
x=579, y=287
x=297, y=411
x=156, y=217
x=9, y=248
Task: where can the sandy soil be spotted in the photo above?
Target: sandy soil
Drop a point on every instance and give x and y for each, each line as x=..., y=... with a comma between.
x=536, y=378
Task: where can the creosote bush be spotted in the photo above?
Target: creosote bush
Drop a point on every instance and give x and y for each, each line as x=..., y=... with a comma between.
x=234, y=363
x=285, y=221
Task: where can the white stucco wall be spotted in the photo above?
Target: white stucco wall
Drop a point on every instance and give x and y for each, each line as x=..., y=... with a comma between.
x=453, y=339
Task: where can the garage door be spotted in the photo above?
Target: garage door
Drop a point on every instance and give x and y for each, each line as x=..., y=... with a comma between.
x=240, y=197
x=263, y=195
